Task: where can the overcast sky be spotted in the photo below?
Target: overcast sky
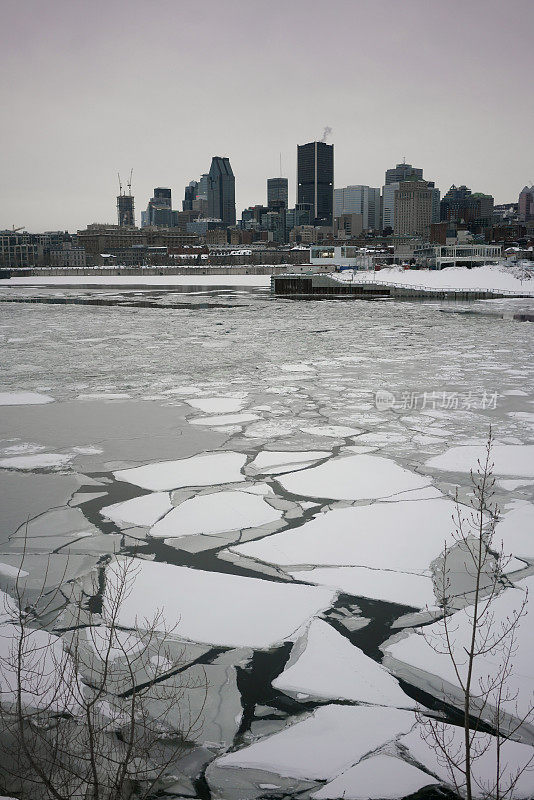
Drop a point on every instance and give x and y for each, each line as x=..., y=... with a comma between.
x=92, y=87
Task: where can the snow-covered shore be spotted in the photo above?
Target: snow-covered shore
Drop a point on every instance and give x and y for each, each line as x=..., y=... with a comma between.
x=487, y=276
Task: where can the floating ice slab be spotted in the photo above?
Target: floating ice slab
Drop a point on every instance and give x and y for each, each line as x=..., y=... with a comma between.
x=355, y=477
x=224, y=419
x=381, y=777
x=404, y=536
x=219, y=608
x=415, y=652
x=513, y=758
x=38, y=461
x=326, y=665
x=144, y=511
x=216, y=513
x=515, y=530
x=202, y=470
x=217, y=405
x=393, y=587
x=24, y=398
x=333, y=431
x=508, y=459
x=276, y=462
x=323, y=745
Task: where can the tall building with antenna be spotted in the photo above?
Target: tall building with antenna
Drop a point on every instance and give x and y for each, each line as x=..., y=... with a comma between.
x=315, y=180
x=125, y=205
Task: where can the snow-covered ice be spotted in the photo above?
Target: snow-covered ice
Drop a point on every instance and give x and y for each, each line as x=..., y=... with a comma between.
x=515, y=530
x=38, y=461
x=321, y=746
x=332, y=431
x=404, y=536
x=24, y=398
x=276, y=462
x=391, y=586
x=215, y=513
x=225, y=419
x=354, y=477
x=219, y=608
x=201, y=470
x=145, y=510
x=508, y=459
x=217, y=405
x=381, y=777
x=324, y=664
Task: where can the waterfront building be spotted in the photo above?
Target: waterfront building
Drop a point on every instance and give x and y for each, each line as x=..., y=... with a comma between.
x=359, y=199
x=413, y=209
x=315, y=180
x=221, y=191
x=461, y=255
x=277, y=190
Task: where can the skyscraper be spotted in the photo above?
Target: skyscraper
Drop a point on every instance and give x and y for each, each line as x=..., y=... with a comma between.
x=315, y=179
x=362, y=200
x=413, y=209
x=190, y=194
x=526, y=204
x=221, y=191
x=125, y=210
x=159, y=209
x=403, y=172
x=277, y=189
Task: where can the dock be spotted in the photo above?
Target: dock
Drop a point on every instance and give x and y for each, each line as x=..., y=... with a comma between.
x=316, y=286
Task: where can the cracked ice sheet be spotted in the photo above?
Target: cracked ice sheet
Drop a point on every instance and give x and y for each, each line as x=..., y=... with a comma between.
x=202, y=470
x=145, y=510
x=215, y=513
x=515, y=530
x=355, y=477
x=322, y=745
x=412, y=654
x=24, y=398
x=224, y=419
x=382, y=776
x=390, y=586
x=509, y=460
x=276, y=462
x=405, y=536
x=324, y=664
x=219, y=608
x=513, y=757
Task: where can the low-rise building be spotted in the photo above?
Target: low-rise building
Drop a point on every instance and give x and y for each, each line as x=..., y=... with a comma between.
x=457, y=255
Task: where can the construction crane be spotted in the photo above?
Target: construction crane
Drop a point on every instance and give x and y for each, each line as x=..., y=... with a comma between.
x=16, y=230
x=129, y=184
x=120, y=184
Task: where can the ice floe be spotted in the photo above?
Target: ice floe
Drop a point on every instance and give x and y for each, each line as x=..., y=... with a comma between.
x=276, y=462
x=332, y=431
x=24, y=398
x=354, y=477
x=145, y=510
x=404, y=536
x=513, y=759
x=217, y=405
x=220, y=608
x=202, y=470
x=512, y=460
x=321, y=746
x=324, y=664
x=224, y=419
x=403, y=588
x=38, y=461
x=415, y=659
x=215, y=513
x=515, y=530
x=381, y=777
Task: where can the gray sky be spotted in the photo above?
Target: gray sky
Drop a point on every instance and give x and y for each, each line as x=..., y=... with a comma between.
x=92, y=87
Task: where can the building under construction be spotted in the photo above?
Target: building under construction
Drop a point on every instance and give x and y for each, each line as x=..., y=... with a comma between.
x=125, y=204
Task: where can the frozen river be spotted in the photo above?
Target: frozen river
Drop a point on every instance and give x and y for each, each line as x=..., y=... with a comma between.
x=283, y=472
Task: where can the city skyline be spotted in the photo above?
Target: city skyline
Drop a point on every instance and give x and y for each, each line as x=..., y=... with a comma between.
x=441, y=84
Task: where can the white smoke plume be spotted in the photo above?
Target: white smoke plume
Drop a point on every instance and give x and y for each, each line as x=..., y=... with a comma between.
x=326, y=133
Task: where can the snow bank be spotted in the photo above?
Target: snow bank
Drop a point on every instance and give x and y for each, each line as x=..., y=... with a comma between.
x=487, y=276
x=168, y=281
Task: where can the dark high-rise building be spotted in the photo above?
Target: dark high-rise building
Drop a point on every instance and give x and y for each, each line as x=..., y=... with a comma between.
x=473, y=209
x=526, y=204
x=125, y=209
x=159, y=212
x=403, y=172
x=221, y=191
x=315, y=179
x=277, y=189
x=190, y=195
